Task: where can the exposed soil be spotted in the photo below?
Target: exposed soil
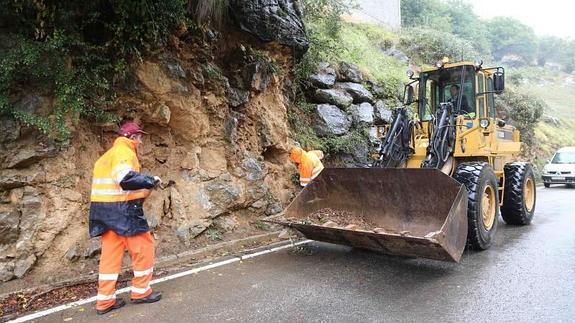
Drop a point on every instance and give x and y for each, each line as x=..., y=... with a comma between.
x=338, y=218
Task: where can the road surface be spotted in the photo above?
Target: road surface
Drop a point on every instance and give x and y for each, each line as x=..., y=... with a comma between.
x=527, y=276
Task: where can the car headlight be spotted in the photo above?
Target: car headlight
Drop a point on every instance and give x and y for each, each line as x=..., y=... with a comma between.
x=484, y=123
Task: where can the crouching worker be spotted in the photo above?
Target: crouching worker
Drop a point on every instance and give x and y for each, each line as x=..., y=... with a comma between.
x=309, y=164
x=116, y=214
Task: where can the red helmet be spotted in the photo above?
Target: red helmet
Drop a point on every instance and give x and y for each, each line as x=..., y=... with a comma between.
x=130, y=128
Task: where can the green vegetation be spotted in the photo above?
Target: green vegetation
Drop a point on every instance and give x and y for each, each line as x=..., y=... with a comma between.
x=335, y=41
x=214, y=234
x=76, y=51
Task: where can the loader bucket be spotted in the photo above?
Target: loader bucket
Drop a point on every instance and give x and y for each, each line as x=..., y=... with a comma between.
x=408, y=212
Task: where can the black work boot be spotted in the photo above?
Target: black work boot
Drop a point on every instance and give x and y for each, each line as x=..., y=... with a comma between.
x=152, y=298
x=119, y=303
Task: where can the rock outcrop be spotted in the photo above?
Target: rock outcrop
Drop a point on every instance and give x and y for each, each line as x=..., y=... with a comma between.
x=219, y=138
x=273, y=21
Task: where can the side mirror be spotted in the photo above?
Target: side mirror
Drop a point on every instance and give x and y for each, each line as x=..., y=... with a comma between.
x=409, y=93
x=498, y=82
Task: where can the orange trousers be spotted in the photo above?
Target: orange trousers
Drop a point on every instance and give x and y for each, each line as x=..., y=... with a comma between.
x=141, y=249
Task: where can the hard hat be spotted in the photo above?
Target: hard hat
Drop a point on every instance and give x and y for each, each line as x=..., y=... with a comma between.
x=130, y=128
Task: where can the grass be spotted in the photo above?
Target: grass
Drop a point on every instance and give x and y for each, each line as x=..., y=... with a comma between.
x=561, y=104
x=363, y=45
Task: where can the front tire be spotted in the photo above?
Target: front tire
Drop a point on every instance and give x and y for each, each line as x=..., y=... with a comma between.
x=483, y=203
x=520, y=194
x=547, y=185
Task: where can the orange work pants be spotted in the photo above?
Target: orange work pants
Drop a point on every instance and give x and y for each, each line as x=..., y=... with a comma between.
x=141, y=249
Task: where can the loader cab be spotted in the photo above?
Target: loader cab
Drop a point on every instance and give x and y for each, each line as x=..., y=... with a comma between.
x=470, y=89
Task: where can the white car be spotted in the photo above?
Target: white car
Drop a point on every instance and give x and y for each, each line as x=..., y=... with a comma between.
x=561, y=169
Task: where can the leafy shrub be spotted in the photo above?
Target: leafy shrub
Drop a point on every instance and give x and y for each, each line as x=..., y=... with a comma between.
x=524, y=111
x=427, y=46
x=76, y=51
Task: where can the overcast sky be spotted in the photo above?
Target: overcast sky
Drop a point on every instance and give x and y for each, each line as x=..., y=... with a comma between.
x=546, y=17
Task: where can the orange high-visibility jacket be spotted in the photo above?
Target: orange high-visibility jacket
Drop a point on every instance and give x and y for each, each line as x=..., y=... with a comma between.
x=309, y=164
x=118, y=191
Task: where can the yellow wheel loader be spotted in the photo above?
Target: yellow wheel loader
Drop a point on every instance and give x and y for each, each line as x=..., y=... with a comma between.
x=445, y=171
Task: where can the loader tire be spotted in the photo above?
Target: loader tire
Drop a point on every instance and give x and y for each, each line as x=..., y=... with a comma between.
x=481, y=184
x=520, y=194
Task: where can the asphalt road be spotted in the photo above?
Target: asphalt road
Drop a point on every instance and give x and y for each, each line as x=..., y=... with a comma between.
x=527, y=276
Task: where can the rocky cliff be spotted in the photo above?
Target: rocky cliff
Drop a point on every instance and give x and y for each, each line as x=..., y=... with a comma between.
x=215, y=105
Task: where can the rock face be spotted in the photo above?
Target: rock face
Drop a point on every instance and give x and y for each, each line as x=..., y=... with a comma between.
x=362, y=113
x=349, y=73
x=325, y=76
x=218, y=136
x=273, y=21
x=357, y=91
x=332, y=120
x=333, y=96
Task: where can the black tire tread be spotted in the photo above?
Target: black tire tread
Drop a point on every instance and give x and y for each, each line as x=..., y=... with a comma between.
x=469, y=175
x=513, y=210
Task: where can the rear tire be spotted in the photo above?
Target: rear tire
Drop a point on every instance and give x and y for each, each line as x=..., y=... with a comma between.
x=520, y=194
x=547, y=185
x=483, y=202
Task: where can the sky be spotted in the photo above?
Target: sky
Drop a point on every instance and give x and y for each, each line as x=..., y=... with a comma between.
x=546, y=17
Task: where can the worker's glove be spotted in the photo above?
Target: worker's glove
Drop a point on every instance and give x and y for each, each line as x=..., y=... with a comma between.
x=157, y=181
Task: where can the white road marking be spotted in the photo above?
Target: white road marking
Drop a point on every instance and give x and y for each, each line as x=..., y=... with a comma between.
x=156, y=281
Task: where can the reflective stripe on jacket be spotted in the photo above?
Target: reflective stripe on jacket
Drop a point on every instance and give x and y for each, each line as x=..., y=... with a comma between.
x=118, y=191
x=309, y=168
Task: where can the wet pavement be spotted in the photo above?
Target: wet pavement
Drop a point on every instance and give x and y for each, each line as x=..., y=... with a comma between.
x=527, y=276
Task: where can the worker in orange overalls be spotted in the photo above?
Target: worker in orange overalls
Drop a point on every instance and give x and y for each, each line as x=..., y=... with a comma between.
x=309, y=164
x=116, y=214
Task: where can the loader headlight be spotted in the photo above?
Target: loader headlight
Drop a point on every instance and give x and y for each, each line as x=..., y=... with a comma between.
x=439, y=64
x=484, y=123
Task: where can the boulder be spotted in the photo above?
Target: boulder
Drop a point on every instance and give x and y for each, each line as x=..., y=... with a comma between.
x=252, y=169
x=175, y=69
x=237, y=97
x=377, y=90
x=28, y=155
x=227, y=223
x=274, y=208
x=273, y=21
x=383, y=114
x=222, y=196
x=349, y=73
x=362, y=113
x=325, y=76
x=93, y=248
x=160, y=114
x=396, y=53
x=6, y=271
x=191, y=229
x=257, y=76
x=73, y=253
x=332, y=121
x=333, y=96
x=22, y=266
x=9, y=221
x=357, y=91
